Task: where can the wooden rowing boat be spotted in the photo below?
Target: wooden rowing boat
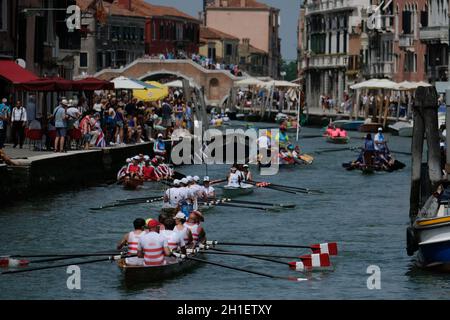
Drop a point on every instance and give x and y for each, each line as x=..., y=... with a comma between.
x=370, y=127
x=233, y=192
x=132, y=183
x=170, y=270
x=338, y=140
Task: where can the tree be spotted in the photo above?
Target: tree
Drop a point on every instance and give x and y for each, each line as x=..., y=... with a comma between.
x=290, y=69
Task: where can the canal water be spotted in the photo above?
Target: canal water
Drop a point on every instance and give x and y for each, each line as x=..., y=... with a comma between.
x=366, y=215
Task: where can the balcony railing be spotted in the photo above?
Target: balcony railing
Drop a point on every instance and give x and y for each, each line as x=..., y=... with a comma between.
x=327, y=61
x=434, y=33
x=330, y=5
x=381, y=69
x=406, y=40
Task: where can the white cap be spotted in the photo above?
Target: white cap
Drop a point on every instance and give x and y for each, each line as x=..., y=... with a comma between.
x=206, y=179
x=196, y=178
x=442, y=144
x=189, y=178
x=380, y=129
x=146, y=158
x=137, y=158
x=184, y=181
x=64, y=102
x=180, y=215
x=160, y=135
x=128, y=160
x=176, y=182
x=245, y=165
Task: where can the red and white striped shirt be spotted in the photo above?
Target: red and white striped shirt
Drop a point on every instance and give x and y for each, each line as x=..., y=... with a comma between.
x=133, y=242
x=152, y=245
x=195, y=230
x=174, y=239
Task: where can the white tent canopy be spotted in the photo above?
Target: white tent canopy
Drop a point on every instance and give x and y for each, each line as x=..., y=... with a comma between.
x=177, y=84
x=407, y=85
x=127, y=84
x=281, y=84
x=376, y=84
x=249, y=82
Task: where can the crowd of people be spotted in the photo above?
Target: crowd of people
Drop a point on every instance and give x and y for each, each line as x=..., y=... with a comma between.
x=108, y=120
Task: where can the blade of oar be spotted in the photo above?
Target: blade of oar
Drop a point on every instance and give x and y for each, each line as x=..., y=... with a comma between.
x=110, y=258
x=242, y=269
x=330, y=247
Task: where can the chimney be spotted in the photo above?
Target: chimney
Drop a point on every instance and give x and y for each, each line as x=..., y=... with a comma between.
x=243, y=3
x=126, y=4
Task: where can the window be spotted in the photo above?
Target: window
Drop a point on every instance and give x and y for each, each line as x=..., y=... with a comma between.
x=83, y=59
x=338, y=42
x=3, y=10
x=229, y=49
x=84, y=31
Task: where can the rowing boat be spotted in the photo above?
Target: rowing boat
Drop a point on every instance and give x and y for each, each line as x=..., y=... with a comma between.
x=338, y=140
x=175, y=267
x=232, y=192
x=132, y=183
x=370, y=127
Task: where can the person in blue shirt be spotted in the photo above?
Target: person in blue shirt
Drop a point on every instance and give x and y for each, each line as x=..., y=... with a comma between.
x=369, y=150
x=159, y=147
x=5, y=111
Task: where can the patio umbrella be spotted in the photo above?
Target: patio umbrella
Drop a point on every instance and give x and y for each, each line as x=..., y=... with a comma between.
x=376, y=84
x=249, y=82
x=154, y=92
x=123, y=83
x=92, y=84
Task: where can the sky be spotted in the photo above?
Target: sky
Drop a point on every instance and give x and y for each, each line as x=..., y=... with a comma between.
x=289, y=16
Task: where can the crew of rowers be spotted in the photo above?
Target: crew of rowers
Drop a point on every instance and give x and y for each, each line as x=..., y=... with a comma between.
x=375, y=153
x=335, y=132
x=142, y=167
x=152, y=242
x=185, y=194
x=239, y=174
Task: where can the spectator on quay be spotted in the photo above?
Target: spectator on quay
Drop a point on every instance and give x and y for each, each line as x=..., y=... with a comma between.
x=96, y=129
x=98, y=105
x=131, y=128
x=85, y=126
x=4, y=116
x=60, y=117
x=166, y=114
x=111, y=126
x=131, y=108
x=120, y=123
x=31, y=109
x=18, y=123
x=73, y=123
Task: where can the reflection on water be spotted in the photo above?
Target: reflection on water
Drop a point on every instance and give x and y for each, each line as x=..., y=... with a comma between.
x=366, y=215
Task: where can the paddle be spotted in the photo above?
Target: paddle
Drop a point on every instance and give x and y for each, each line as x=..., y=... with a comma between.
x=110, y=258
x=335, y=150
x=330, y=248
x=89, y=254
x=307, y=261
x=223, y=204
x=287, y=206
x=138, y=199
x=123, y=204
x=297, y=188
x=287, y=189
x=239, y=269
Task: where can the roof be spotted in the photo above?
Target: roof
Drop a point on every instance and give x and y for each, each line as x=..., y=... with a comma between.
x=236, y=4
x=139, y=8
x=211, y=33
x=14, y=73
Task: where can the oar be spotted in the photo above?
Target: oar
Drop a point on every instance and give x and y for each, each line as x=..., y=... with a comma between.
x=223, y=204
x=288, y=206
x=297, y=188
x=110, y=258
x=286, y=189
x=240, y=269
x=334, y=150
x=45, y=255
x=330, y=248
x=123, y=204
x=138, y=199
x=307, y=262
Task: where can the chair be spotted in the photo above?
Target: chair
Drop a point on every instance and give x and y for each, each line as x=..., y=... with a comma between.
x=35, y=137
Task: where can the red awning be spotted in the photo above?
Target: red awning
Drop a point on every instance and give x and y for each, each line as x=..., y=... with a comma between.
x=14, y=73
x=47, y=85
x=92, y=84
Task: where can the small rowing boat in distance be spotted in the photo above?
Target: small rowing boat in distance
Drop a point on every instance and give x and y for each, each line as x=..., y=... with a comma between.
x=159, y=273
x=338, y=140
x=233, y=192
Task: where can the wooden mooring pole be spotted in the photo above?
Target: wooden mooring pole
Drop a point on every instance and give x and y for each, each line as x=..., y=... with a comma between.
x=425, y=123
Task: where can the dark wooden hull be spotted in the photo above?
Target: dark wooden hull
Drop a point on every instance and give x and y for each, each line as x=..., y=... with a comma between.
x=157, y=274
x=132, y=184
x=370, y=127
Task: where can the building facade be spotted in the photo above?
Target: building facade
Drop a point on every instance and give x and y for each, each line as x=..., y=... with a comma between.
x=219, y=46
x=330, y=53
x=248, y=19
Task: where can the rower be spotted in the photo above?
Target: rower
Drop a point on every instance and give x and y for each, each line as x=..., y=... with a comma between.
x=208, y=190
x=282, y=137
x=153, y=247
x=185, y=201
x=380, y=141
x=183, y=230
x=234, y=178
x=159, y=147
x=155, y=165
x=369, y=150
x=173, y=196
x=149, y=172
x=196, y=191
x=247, y=173
x=175, y=240
x=193, y=223
x=133, y=168
x=131, y=240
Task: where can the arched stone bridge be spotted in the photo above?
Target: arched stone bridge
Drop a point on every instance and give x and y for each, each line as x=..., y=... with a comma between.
x=217, y=83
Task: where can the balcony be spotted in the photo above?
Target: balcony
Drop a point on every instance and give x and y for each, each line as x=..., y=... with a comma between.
x=328, y=61
x=406, y=41
x=439, y=33
x=381, y=69
x=329, y=6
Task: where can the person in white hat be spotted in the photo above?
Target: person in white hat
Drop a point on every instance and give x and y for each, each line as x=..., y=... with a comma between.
x=380, y=141
x=196, y=191
x=159, y=146
x=60, y=118
x=234, y=178
x=180, y=228
x=208, y=190
x=173, y=197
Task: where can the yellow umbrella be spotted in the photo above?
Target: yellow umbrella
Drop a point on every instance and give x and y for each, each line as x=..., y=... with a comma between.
x=156, y=92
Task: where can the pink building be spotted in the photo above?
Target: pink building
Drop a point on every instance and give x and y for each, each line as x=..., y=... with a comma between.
x=248, y=19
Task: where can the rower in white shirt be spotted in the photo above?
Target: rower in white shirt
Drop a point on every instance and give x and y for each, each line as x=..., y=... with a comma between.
x=234, y=178
x=208, y=190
